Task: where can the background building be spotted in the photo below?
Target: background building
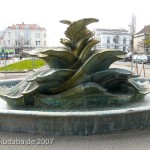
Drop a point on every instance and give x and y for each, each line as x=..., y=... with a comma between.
x=139, y=46
x=23, y=37
x=112, y=39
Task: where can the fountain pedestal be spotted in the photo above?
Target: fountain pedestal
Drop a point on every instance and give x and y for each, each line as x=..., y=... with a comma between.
x=134, y=116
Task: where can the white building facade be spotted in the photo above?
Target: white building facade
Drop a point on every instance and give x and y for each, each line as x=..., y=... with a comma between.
x=112, y=39
x=24, y=37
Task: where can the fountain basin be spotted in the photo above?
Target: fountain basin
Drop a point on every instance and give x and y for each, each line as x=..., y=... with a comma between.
x=74, y=123
x=135, y=115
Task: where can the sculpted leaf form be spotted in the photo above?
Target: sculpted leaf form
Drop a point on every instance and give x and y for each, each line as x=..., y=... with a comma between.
x=73, y=31
x=78, y=77
x=68, y=22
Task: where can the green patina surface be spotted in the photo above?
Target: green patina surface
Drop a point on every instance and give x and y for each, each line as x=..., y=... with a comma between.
x=78, y=77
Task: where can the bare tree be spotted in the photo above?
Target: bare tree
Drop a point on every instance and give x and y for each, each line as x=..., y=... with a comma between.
x=21, y=43
x=132, y=33
x=132, y=29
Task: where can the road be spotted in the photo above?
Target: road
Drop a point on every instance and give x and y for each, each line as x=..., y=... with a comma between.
x=129, y=64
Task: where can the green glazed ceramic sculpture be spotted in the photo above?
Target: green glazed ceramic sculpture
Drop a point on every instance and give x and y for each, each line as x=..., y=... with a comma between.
x=78, y=77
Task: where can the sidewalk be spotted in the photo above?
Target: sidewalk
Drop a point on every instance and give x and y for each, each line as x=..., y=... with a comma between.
x=128, y=67
x=9, y=61
x=127, y=140
x=20, y=75
x=114, y=65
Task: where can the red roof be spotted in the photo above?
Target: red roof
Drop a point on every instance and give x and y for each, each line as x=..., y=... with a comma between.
x=22, y=26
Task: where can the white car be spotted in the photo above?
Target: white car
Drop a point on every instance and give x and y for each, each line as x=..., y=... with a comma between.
x=142, y=59
x=134, y=57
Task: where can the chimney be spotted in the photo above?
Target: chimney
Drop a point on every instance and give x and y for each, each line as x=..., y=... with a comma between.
x=22, y=22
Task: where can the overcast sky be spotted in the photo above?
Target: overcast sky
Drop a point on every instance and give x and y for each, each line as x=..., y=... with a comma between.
x=47, y=13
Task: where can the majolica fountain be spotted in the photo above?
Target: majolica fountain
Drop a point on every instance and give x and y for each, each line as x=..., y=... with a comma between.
x=78, y=93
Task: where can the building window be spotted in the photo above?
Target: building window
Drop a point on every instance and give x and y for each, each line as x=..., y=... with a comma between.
x=124, y=49
x=116, y=47
x=8, y=42
x=27, y=42
x=17, y=34
x=17, y=27
x=17, y=42
x=124, y=40
x=44, y=35
x=116, y=39
x=37, y=35
x=37, y=43
x=44, y=43
x=27, y=35
x=9, y=34
x=108, y=40
x=27, y=27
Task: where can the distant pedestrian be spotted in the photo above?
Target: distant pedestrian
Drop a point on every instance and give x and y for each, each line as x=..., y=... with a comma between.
x=20, y=57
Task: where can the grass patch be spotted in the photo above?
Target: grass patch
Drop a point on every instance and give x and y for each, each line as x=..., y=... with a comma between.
x=24, y=65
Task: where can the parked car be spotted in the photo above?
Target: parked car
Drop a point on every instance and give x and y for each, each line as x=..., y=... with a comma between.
x=142, y=59
x=8, y=56
x=134, y=57
x=1, y=57
x=128, y=57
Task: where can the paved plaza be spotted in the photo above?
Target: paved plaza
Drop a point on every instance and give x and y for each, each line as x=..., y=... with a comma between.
x=122, y=65
x=127, y=140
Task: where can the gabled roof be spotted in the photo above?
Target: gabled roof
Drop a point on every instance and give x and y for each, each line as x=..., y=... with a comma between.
x=146, y=29
x=22, y=26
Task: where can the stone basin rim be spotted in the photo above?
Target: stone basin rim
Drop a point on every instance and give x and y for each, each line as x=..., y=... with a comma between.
x=75, y=113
